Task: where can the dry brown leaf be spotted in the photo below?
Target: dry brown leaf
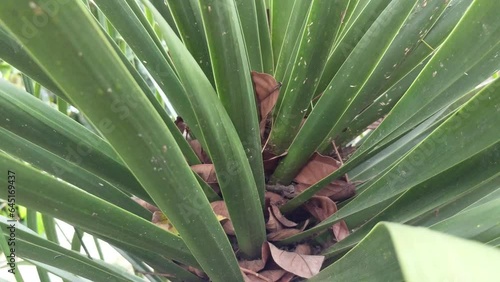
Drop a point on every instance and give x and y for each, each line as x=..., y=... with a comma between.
x=197, y=272
x=340, y=230
x=267, y=92
x=305, y=266
x=272, y=224
x=304, y=225
x=274, y=199
x=316, y=169
x=220, y=209
x=252, y=276
x=270, y=165
x=303, y=249
x=256, y=265
x=206, y=172
x=145, y=204
x=200, y=153
x=282, y=234
x=273, y=274
x=333, y=190
x=338, y=190
x=320, y=207
x=281, y=218
x=253, y=265
x=287, y=277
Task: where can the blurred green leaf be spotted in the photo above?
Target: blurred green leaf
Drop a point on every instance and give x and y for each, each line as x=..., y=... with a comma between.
x=400, y=253
x=33, y=247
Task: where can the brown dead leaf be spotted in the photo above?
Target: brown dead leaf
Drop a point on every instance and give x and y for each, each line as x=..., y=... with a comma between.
x=253, y=265
x=274, y=199
x=320, y=207
x=305, y=266
x=267, y=92
x=197, y=272
x=220, y=209
x=256, y=265
x=180, y=124
x=340, y=230
x=145, y=204
x=273, y=274
x=304, y=225
x=334, y=190
x=272, y=224
x=287, y=277
x=206, y=171
x=252, y=276
x=338, y=190
x=282, y=234
x=200, y=153
x=303, y=249
x=317, y=168
x=271, y=160
x=281, y=218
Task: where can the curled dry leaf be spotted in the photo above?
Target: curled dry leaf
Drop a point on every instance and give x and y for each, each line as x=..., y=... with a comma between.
x=305, y=266
x=267, y=92
x=340, y=230
x=220, y=210
x=281, y=218
x=316, y=169
x=274, y=199
x=304, y=225
x=272, y=224
x=321, y=208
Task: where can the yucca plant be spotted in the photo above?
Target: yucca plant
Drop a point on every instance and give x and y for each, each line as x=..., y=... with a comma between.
x=253, y=140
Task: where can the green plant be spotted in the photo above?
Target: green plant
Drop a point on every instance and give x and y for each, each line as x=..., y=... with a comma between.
x=412, y=72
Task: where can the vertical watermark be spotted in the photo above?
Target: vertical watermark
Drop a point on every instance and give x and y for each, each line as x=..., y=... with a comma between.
x=10, y=253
